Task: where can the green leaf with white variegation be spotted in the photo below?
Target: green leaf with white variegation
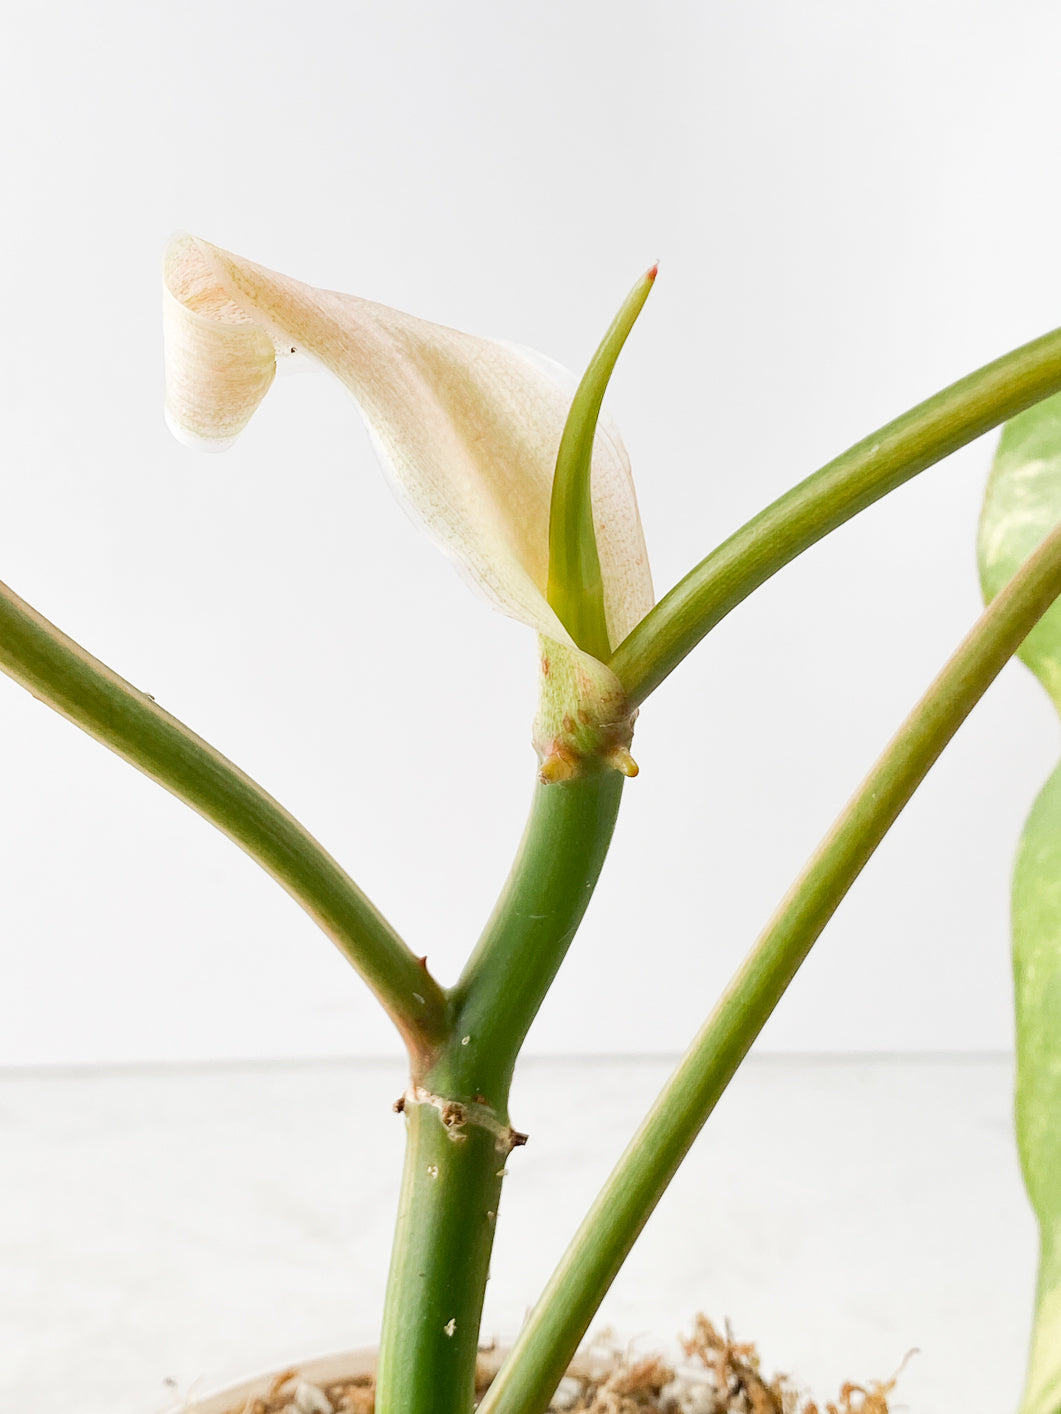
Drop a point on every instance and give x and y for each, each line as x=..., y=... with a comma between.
x=1022, y=504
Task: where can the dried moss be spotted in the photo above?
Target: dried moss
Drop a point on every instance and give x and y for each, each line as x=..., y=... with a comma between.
x=724, y=1376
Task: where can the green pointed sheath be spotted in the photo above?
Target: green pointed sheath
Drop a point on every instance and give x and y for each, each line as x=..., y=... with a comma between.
x=576, y=585
x=1023, y=502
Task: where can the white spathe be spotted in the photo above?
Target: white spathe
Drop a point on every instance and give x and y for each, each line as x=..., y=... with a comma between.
x=468, y=428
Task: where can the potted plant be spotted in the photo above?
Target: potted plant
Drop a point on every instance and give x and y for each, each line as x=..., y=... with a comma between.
x=515, y=473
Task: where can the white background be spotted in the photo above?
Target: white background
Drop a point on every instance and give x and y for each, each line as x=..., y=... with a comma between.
x=853, y=205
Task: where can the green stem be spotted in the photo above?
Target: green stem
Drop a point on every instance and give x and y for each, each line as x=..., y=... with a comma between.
x=59, y=672
x=439, y=1267
x=842, y=488
x=526, y=939
x=562, y=1315
x=453, y=1171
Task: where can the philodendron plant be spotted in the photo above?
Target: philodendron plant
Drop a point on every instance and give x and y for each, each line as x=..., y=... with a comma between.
x=513, y=469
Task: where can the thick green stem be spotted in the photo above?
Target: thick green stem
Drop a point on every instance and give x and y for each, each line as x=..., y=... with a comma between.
x=59, y=672
x=446, y=1217
x=459, y=1133
x=547, y=892
x=562, y=1315
x=842, y=488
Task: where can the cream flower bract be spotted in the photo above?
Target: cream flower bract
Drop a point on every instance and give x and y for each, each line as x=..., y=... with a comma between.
x=468, y=428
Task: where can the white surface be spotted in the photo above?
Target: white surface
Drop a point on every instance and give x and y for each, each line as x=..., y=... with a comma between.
x=191, y=1224
x=853, y=205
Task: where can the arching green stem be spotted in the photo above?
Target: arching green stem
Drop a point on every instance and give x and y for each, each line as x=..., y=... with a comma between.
x=59, y=672
x=842, y=488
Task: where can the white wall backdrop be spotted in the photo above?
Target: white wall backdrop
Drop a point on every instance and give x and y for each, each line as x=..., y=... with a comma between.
x=853, y=205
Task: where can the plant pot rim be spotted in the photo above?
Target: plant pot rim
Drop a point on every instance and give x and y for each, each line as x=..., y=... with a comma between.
x=318, y=1370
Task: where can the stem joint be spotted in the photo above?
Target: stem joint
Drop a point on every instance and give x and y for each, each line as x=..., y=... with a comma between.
x=458, y=1115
